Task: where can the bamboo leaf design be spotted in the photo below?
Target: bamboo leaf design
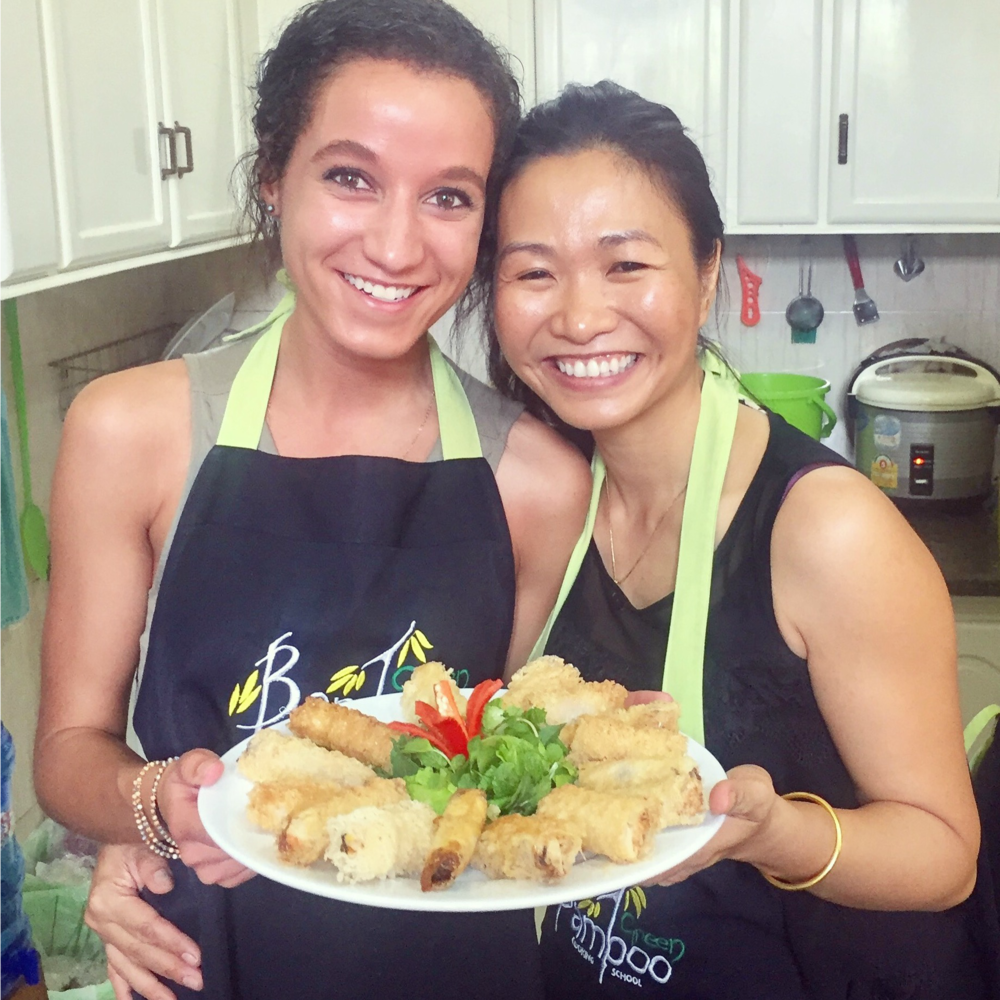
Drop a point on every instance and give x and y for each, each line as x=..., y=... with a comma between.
x=418, y=650
x=343, y=671
x=402, y=654
x=422, y=639
x=234, y=699
x=251, y=692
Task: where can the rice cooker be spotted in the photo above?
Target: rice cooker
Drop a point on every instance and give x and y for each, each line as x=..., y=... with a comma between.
x=925, y=424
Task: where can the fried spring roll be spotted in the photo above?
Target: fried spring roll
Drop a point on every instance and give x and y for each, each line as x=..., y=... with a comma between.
x=529, y=847
x=273, y=756
x=338, y=727
x=455, y=836
x=377, y=842
x=271, y=804
x=606, y=737
x=305, y=837
x=621, y=827
x=551, y=683
x=677, y=791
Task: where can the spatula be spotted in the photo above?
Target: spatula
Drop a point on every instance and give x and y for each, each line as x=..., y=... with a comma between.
x=34, y=537
x=865, y=310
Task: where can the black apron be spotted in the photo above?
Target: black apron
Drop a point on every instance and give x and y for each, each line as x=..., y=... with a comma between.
x=337, y=576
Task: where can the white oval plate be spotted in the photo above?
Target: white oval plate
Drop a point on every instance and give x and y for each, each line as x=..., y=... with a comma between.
x=222, y=808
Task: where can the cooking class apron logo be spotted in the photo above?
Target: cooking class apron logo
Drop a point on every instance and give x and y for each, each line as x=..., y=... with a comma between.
x=621, y=949
x=275, y=693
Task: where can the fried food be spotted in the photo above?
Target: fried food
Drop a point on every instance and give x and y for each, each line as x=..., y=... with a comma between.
x=529, y=847
x=621, y=827
x=376, y=842
x=305, y=837
x=612, y=737
x=456, y=833
x=347, y=730
x=676, y=790
x=271, y=804
x=420, y=687
x=551, y=683
x=273, y=756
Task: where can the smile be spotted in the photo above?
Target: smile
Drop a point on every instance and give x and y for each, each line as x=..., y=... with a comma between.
x=384, y=293
x=608, y=364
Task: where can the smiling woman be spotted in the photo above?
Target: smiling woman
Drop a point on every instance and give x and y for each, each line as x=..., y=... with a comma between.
x=304, y=511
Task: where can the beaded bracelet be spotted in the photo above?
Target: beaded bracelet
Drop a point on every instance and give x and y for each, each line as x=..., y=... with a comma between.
x=158, y=840
x=828, y=867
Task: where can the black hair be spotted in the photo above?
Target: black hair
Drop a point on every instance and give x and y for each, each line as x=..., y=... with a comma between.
x=603, y=116
x=325, y=35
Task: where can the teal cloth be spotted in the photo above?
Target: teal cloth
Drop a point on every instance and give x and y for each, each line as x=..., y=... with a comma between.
x=13, y=581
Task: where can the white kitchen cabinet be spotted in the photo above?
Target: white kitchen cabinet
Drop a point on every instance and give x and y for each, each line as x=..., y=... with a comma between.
x=977, y=620
x=145, y=99
x=919, y=84
x=27, y=151
x=671, y=51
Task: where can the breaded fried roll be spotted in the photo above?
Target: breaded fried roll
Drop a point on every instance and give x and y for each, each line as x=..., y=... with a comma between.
x=305, y=837
x=338, y=727
x=607, y=737
x=456, y=833
x=621, y=827
x=271, y=804
x=380, y=841
x=677, y=791
x=420, y=687
x=551, y=683
x=530, y=847
x=273, y=756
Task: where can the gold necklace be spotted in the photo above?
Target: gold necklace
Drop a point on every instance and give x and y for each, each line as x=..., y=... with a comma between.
x=656, y=527
x=420, y=429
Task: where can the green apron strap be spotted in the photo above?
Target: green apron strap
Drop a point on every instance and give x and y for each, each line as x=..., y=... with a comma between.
x=576, y=557
x=976, y=725
x=246, y=408
x=457, y=425
x=685, y=656
x=713, y=440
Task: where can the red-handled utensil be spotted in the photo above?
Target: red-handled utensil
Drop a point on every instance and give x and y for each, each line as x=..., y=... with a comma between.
x=750, y=284
x=865, y=310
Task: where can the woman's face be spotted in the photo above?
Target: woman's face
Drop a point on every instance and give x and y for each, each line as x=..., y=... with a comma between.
x=599, y=298
x=381, y=203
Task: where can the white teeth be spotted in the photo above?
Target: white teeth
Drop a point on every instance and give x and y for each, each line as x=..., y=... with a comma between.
x=592, y=368
x=386, y=293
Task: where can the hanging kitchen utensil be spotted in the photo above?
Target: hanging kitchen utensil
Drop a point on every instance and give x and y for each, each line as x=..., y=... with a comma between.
x=865, y=310
x=805, y=311
x=750, y=284
x=909, y=264
x=34, y=537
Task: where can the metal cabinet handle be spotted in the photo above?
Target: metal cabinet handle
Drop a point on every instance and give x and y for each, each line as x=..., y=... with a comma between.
x=168, y=171
x=842, y=127
x=186, y=132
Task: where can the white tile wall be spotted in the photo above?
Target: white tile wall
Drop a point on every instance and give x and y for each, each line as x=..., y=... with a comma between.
x=956, y=297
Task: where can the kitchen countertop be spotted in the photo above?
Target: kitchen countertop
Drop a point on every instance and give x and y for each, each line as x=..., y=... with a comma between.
x=965, y=547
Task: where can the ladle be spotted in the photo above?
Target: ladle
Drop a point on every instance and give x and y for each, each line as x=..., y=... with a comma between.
x=805, y=311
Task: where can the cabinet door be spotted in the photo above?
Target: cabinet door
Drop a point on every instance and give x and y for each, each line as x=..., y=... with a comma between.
x=104, y=94
x=920, y=83
x=203, y=86
x=27, y=152
x=670, y=51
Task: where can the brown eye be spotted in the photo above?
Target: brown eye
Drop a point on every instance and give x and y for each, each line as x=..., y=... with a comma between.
x=450, y=199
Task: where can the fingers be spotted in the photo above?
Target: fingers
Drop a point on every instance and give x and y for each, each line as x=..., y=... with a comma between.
x=213, y=866
x=141, y=980
x=747, y=793
x=645, y=697
x=153, y=872
x=122, y=989
x=198, y=767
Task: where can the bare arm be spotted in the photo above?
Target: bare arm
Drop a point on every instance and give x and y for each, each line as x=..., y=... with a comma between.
x=858, y=595
x=545, y=486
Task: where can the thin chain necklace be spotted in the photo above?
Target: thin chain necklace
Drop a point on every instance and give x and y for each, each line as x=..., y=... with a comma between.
x=656, y=527
x=420, y=429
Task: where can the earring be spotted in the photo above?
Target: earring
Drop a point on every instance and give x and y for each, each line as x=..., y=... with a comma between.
x=269, y=209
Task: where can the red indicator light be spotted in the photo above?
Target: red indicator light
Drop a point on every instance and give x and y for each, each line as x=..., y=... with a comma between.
x=919, y=461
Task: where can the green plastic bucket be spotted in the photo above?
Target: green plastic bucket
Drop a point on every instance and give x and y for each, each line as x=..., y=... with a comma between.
x=800, y=399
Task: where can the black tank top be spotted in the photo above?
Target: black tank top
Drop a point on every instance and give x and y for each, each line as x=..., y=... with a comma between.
x=725, y=932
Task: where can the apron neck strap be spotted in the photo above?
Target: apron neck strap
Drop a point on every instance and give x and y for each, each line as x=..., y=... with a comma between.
x=685, y=654
x=246, y=408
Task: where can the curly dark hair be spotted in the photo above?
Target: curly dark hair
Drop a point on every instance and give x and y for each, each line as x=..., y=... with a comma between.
x=325, y=35
x=604, y=116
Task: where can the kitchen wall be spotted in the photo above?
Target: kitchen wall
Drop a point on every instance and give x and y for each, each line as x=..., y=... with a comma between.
x=956, y=297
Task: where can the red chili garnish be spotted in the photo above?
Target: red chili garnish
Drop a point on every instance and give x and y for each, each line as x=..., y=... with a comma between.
x=435, y=740
x=450, y=730
x=481, y=694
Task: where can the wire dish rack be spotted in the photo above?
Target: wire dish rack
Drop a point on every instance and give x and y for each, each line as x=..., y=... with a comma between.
x=76, y=370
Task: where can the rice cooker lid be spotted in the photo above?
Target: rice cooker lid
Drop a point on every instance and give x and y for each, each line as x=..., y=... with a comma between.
x=928, y=382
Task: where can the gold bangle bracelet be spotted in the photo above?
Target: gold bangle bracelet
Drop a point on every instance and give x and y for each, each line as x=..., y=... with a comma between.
x=828, y=867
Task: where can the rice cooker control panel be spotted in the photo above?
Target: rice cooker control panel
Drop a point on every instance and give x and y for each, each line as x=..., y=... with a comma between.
x=921, y=470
